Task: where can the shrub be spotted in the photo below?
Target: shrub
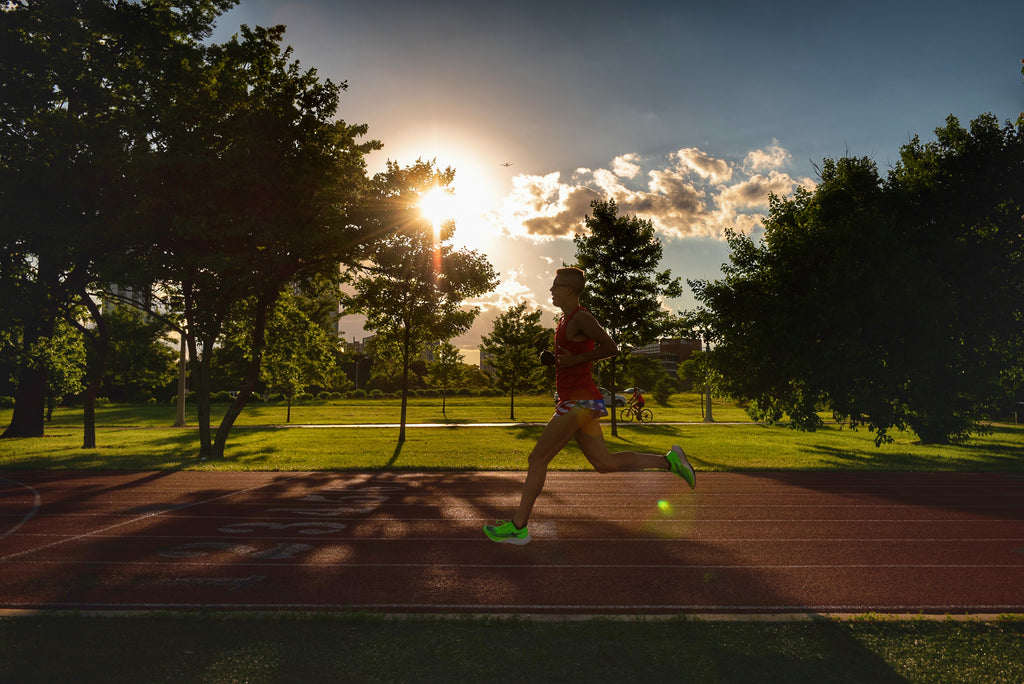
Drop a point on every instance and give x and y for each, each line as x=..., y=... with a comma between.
x=356, y=394
x=304, y=396
x=663, y=389
x=6, y=402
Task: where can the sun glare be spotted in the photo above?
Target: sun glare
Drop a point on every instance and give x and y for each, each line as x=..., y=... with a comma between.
x=437, y=206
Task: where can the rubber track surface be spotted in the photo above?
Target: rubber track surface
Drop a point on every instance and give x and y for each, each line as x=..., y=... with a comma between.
x=636, y=543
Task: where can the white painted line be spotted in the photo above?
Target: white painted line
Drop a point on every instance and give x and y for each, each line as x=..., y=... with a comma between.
x=914, y=612
x=144, y=517
x=27, y=516
x=530, y=566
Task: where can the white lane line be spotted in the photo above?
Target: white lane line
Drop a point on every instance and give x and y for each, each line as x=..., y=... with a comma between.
x=531, y=566
x=912, y=611
x=145, y=517
x=37, y=500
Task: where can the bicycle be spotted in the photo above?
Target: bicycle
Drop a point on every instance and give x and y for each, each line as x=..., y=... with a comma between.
x=628, y=414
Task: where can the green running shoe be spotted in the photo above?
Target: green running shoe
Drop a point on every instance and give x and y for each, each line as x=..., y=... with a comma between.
x=680, y=466
x=506, y=532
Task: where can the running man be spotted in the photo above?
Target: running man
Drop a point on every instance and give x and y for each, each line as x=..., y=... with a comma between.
x=579, y=342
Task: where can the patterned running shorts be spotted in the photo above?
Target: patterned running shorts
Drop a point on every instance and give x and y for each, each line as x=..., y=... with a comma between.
x=595, y=406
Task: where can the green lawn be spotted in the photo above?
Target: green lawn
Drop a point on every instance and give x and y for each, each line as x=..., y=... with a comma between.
x=138, y=438
x=356, y=648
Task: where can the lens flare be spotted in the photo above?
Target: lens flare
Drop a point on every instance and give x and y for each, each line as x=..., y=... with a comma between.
x=665, y=507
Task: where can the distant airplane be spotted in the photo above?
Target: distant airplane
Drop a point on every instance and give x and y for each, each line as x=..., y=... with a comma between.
x=506, y=164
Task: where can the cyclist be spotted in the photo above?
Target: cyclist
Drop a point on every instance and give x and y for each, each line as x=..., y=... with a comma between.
x=636, y=402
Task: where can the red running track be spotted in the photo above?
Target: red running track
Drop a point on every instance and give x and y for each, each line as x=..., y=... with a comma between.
x=411, y=542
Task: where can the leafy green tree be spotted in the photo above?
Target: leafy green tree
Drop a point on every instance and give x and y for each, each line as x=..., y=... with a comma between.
x=896, y=302
x=65, y=358
x=73, y=95
x=642, y=371
x=299, y=351
x=625, y=291
x=414, y=284
x=252, y=184
x=140, y=360
x=511, y=351
x=700, y=371
x=445, y=371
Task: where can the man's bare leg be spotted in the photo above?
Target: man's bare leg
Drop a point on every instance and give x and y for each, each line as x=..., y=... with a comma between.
x=556, y=435
x=591, y=441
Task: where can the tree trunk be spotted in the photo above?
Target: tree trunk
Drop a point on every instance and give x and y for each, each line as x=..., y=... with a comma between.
x=201, y=386
x=612, y=388
x=29, y=404
x=200, y=374
x=30, y=399
x=179, y=418
x=259, y=336
x=101, y=345
x=406, y=340
x=708, y=418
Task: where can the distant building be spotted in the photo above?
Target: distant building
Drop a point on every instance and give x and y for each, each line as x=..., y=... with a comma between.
x=670, y=352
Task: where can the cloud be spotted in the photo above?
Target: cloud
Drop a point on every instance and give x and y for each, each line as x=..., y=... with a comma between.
x=690, y=193
x=773, y=158
x=542, y=207
x=626, y=165
x=703, y=164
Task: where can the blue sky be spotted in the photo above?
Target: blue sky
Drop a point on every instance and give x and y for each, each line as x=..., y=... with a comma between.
x=686, y=113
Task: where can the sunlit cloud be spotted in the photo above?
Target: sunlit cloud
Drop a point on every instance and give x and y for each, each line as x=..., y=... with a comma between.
x=510, y=292
x=703, y=164
x=688, y=193
x=773, y=158
x=626, y=165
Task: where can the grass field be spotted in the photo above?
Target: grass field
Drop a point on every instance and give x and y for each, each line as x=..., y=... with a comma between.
x=139, y=438
x=365, y=648
x=160, y=648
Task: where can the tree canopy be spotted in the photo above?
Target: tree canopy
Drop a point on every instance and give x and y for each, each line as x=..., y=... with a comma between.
x=511, y=350
x=413, y=284
x=898, y=303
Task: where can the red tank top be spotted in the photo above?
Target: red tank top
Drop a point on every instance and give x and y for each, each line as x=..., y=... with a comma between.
x=575, y=383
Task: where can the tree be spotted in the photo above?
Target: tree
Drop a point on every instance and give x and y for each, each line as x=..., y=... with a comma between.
x=511, y=351
x=140, y=360
x=73, y=95
x=445, y=371
x=625, y=291
x=897, y=303
x=64, y=357
x=642, y=371
x=252, y=184
x=414, y=283
x=299, y=352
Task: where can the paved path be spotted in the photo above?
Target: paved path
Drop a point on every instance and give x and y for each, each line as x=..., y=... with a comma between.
x=639, y=543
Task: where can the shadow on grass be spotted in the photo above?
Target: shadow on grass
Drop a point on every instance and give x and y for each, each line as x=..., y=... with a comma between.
x=998, y=451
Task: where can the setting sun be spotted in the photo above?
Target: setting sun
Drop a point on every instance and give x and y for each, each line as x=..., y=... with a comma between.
x=437, y=206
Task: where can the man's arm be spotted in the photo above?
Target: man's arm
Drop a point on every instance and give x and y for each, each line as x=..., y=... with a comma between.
x=583, y=324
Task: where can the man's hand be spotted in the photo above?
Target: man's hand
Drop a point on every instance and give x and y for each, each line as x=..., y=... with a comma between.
x=566, y=359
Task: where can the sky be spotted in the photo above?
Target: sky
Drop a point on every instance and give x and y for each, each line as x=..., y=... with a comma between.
x=686, y=113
